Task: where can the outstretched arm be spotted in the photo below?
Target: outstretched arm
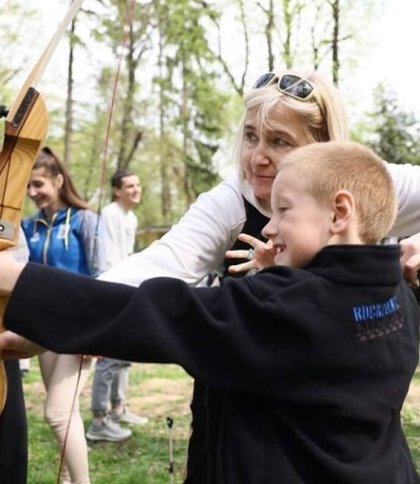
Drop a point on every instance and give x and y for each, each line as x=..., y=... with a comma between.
x=192, y=248
x=155, y=323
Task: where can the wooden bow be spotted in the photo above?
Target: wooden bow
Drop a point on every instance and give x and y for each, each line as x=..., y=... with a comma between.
x=25, y=132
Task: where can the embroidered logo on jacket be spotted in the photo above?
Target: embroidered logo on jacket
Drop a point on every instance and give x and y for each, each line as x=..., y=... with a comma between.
x=377, y=320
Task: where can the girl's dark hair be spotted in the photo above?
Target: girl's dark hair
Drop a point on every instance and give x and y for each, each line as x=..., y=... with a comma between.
x=48, y=160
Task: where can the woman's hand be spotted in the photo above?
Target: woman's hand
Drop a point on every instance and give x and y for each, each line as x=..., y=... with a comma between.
x=10, y=270
x=410, y=259
x=14, y=346
x=259, y=256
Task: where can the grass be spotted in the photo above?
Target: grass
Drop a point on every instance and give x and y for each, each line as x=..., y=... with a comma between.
x=411, y=418
x=158, y=391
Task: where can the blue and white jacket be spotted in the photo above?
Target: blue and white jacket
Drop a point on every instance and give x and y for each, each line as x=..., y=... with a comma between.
x=69, y=241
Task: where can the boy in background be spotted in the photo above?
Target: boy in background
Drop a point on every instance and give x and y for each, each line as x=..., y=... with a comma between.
x=111, y=377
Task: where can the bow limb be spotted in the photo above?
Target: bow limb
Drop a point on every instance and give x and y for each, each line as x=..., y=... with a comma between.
x=40, y=66
x=25, y=132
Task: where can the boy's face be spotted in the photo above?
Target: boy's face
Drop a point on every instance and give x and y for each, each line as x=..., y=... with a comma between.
x=300, y=226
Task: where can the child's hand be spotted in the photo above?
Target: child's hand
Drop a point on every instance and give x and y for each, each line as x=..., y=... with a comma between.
x=259, y=256
x=14, y=346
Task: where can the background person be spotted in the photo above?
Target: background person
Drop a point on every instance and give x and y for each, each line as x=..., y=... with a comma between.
x=303, y=368
x=64, y=234
x=110, y=383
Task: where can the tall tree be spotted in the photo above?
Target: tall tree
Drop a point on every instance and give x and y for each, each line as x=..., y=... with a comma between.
x=237, y=82
x=335, y=7
x=68, y=128
x=393, y=133
x=190, y=101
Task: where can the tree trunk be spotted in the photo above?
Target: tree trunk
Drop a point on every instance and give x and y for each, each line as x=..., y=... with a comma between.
x=68, y=128
x=335, y=5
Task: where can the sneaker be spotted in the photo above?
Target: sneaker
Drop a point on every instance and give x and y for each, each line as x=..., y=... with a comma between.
x=127, y=417
x=108, y=430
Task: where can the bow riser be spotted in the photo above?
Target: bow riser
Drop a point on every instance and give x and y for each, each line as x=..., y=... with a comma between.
x=23, y=139
x=20, y=148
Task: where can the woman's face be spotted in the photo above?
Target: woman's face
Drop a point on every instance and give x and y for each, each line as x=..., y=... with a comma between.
x=44, y=190
x=263, y=149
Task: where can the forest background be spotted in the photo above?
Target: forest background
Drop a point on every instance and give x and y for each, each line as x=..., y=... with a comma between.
x=184, y=69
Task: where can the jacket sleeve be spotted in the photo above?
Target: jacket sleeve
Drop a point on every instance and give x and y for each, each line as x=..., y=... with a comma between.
x=407, y=184
x=156, y=323
x=195, y=246
x=90, y=233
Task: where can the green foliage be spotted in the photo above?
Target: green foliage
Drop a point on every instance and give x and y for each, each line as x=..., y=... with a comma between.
x=176, y=103
x=392, y=132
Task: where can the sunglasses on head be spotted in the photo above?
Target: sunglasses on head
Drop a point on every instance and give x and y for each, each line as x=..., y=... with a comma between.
x=289, y=84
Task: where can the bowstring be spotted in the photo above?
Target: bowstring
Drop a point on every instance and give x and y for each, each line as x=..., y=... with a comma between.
x=103, y=170
x=123, y=44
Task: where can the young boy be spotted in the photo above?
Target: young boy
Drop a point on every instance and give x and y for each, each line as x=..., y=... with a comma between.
x=310, y=361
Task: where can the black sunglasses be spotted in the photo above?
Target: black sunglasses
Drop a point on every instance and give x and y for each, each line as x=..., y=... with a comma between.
x=289, y=84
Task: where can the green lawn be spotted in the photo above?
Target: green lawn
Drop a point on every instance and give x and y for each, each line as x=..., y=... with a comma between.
x=159, y=392
x=156, y=391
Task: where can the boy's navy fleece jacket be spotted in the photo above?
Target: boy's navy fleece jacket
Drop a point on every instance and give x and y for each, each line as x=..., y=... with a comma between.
x=312, y=365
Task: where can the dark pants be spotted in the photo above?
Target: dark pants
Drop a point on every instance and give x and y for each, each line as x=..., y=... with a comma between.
x=13, y=431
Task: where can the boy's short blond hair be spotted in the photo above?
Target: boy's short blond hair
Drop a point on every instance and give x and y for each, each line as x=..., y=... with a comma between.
x=333, y=166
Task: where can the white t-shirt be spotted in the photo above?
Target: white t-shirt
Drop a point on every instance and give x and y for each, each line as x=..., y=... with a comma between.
x=119, y=233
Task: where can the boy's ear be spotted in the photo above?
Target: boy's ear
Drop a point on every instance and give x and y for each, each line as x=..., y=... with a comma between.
x=344, y=209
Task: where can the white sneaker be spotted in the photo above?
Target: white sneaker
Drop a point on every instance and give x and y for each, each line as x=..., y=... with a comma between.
x=127, y=417
x=107, y=429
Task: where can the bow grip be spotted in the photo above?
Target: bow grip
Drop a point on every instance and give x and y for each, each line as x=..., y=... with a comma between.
x=24, y=136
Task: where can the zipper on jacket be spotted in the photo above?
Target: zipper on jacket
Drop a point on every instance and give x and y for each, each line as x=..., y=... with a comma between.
x=47, y=239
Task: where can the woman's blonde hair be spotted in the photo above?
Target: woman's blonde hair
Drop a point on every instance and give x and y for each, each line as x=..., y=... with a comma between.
x=322, y=114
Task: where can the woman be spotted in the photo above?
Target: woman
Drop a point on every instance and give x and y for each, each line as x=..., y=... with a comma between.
x=282, y=111
x=63, y=233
